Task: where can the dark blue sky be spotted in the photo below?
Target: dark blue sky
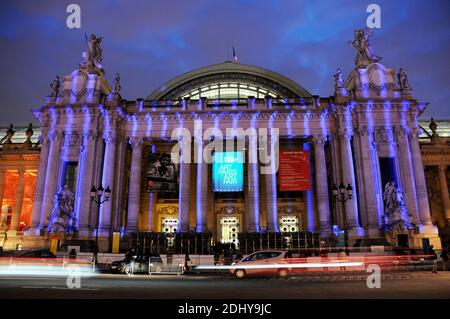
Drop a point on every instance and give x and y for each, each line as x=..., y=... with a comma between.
x=150, y=42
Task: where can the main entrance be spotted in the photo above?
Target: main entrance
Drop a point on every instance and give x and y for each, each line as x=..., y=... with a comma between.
x=229, y=230
x=169, y=225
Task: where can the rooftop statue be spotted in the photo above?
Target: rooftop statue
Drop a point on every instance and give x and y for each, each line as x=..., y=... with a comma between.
x=396, y=216
x=55, y=86
x=93, y=56
x=29, y=133
x=403, y=80
x=433, y=127
x=117, y=86
x=338, y=81
x=9, y=134
x=364, y=52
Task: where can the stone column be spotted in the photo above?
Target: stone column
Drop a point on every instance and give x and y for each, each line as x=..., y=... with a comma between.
x=348, y=177
x=271, y=191
x=107, y=180
x=406, y=166
x=323, y=203
x=85, y=175
x=2, y=184
x=51, y=176
x=19, y=201
x=202, y=188
x=419, y=177
x=337, y=177
x=369, y=179
x=252, y=198
x=39, y=189
x=185, y=189
x=153, y=196
x=134, y=192
x=444, y=191
x=309, y=200
x=118, y=186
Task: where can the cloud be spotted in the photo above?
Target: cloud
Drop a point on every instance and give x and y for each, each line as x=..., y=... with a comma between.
x=150, y=42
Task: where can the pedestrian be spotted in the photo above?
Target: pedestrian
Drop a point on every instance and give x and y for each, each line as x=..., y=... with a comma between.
x=433, y=258
x=444, y=256
x=342, y=256
x=187, y=262
x=73, y=254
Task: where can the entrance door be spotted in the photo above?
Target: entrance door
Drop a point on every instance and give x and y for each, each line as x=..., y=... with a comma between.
x=289, y=224
x=169, y=225
x=403, y=240
x=230, y=230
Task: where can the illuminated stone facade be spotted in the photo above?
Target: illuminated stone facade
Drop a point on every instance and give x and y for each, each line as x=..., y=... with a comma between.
x=19, y=158
x=366, y=134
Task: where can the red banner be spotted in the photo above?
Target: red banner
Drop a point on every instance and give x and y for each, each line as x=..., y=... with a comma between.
x=294, y=171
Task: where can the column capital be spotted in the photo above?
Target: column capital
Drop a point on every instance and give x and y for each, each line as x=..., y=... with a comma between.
x=415, y=132
x=136, y=141
x=442, y=168
x=346, y=133
x=21, y=172
x=319, y=139
x=110, y=137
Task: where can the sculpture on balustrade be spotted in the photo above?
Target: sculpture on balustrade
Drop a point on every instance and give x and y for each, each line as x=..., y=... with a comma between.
x=117, y=86
x=403, y=80
x=433, y=127
x=9, y=134
x=55, y=86
x=338, y=81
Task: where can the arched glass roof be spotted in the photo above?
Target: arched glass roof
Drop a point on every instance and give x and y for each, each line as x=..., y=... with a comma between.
x=227, y=81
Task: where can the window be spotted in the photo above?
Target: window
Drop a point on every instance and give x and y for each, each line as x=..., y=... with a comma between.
x=228, y=91
x=70, y=175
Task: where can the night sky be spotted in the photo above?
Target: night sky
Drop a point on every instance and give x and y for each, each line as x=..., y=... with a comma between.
x=150, y=42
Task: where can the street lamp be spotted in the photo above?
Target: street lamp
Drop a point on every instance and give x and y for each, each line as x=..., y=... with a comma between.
x=96, y=196
x=342, y=195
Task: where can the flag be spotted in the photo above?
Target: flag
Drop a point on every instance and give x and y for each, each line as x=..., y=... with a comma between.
x=235, y=56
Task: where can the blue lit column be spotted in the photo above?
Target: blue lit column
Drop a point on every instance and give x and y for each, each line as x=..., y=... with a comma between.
x=51, y=176
x=271, y=191
x=323, y=203
x=406, y=166
x=370, y=182
x=185, y=190
x=252, y=198
x=134, y=192
x=40, y=186
x=85, y=173
x=309, y=201
x=107, y=180
x=348, y=177
x=419, y=177
x=202, y=188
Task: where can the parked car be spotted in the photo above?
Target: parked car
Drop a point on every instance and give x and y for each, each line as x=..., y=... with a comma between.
x=39, y=253
x=262, y=258
x=138, y=263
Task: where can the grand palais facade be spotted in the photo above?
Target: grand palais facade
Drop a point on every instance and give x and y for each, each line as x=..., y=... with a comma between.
x=358, y=160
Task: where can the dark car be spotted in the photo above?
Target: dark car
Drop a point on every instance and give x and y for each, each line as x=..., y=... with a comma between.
x=40, y=253
x=138, y=263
